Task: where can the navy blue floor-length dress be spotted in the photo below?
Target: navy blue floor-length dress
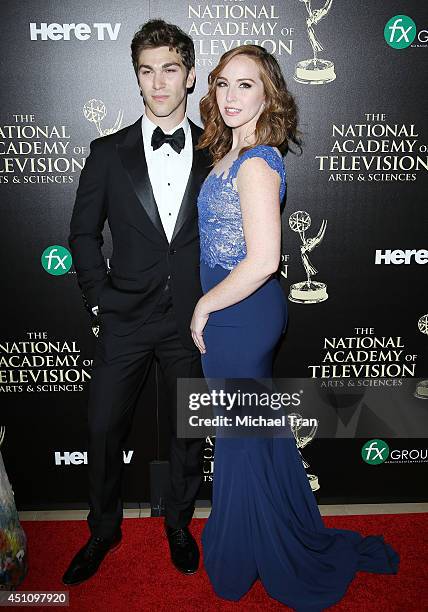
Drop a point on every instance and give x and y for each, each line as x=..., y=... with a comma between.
x=265, y=522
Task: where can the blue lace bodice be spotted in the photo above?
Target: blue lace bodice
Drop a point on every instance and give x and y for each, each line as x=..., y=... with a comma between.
x=220, y=220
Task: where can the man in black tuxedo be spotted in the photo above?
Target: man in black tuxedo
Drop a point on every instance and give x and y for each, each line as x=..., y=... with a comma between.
x=144, y=180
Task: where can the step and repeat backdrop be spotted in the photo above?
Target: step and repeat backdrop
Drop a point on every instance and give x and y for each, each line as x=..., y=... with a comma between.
x=355, y=228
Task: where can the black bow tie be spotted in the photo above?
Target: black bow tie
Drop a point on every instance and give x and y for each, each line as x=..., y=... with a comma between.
x=176, y=140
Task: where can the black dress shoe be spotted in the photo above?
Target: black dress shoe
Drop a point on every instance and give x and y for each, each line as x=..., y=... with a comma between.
x=87, y=561
x=184, y=550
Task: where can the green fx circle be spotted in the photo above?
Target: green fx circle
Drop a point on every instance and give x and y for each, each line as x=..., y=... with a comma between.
x=400, y=31
x=56, y=260
x=375, y=451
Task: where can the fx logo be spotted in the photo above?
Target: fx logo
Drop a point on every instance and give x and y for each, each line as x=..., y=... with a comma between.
x=400, y=31
x=56, y=260
x=375, y=451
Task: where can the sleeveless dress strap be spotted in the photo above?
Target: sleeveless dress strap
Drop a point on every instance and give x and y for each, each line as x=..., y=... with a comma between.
x=271, y=157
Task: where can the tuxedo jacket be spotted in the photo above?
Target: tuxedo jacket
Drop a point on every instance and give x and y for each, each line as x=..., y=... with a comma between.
x=115, y=186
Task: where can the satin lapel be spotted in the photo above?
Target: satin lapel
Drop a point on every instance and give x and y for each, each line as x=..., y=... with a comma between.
x=197, y=175
x=131, y=153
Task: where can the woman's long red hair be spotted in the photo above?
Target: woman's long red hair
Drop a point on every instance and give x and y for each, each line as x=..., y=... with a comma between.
x=277, y=124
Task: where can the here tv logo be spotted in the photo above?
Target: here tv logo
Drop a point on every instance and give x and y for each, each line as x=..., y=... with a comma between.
x=399, y=256
x=74, y=31
x=81, y=457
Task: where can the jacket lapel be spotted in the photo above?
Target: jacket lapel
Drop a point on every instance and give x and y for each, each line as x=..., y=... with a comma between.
x=197, y=175
x=131, y=153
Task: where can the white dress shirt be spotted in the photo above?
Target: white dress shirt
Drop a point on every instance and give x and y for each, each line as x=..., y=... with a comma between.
x=168, y=172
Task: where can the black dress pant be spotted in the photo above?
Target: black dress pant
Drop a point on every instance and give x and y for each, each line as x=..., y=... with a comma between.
x=120, y=367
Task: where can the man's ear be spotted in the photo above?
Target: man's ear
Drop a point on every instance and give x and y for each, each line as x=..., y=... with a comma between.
x=191, y=78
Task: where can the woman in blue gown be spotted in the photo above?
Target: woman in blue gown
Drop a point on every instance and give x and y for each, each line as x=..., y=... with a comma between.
x=265, y=521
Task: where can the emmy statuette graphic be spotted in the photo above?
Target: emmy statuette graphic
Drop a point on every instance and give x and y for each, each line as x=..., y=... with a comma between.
x=301, y=441
x=315, y=71
x=308, y=291
x=421, y=391
x=95, y=111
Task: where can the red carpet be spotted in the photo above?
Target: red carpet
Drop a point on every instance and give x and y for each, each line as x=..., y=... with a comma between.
x=139, y=576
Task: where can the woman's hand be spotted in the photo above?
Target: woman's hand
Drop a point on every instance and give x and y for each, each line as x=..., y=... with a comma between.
x=197, y=324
